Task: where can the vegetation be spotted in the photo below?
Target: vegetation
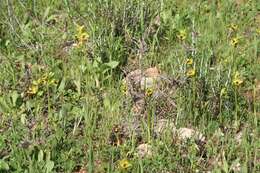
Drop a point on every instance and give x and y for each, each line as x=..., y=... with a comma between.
x=129, y=86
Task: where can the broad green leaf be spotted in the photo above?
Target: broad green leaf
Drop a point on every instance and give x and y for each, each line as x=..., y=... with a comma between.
x=225, y=166
x=95, y=64
x=23, y=118
x=112, y=64
x=49, y=166
x=4, y=165
x=46, y=13
x=62, y=85
x=40, y=156
x=4, y=106
x=15, y=96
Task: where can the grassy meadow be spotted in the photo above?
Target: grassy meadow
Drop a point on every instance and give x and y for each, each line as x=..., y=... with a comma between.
x=129, y=86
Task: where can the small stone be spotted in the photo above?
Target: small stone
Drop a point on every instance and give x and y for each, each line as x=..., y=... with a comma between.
x=236, y=167
x=149, y=83
x=238, y=137
x=164, y=124
x=152, y=72
x=186, y=133
x=81, y=171
x=150, y=79
x=144, y=150
x=218, y=133
x=138, y=106
x=134, y=76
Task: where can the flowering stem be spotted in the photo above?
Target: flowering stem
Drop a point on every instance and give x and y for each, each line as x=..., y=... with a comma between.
x=254, y=106
x=220, y=106
x=236, y=107
x=48, y=97
x=193, y=99
x=150, y=120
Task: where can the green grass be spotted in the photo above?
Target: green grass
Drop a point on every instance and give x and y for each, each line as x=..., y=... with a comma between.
x=60, y=101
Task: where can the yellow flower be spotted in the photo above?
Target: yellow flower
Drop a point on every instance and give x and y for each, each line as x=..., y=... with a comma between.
x=123, y=87
x=52, y=82
x=149, y=92
x=81, y=35
x=42, y=80
x=80, y=28
x=33, y=89
x=124, y=164
x=237, y=80
x=233, y=27
x=47, y=78
x=182, y=34
x=191, y=72
x=258, y=31
x=116, y=128
x=223, y=92
x=189, y=61
x=234, y=41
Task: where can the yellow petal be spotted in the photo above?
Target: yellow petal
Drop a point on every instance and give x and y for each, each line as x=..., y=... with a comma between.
x=191, y=72
x=33, y=89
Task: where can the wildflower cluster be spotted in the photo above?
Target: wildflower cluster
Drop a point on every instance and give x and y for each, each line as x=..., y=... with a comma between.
x=233, y=27
x=124, y=164
x=237, y=79
x=182, y=35
x=189, y=61
x=81, y=35
x=258, y=31
x=149, y=92
x=116, y=137
x=46, y=80
x=124, y=88
x=234, y=41
x=223, y=92
x=191, y=72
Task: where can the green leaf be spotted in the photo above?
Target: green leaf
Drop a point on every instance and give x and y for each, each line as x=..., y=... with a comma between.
x=95, y=64
x=4, y=165
x=40, y=156
x=46, y=13
x=112, y=64
x=23, y=118
x=4, y=106
x=49, y=166
x=62, y=85
x=15, y=96
x=225, y=166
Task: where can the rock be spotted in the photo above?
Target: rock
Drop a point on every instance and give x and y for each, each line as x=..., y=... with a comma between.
x=147, y=78
x=136, y=82
x=187, y=133
x=162, y=125
x=218, y=133
x=236, y=167
x=253, y=94
x=150, y=79
x=148, y=83
x=240, y=2
x=238, y=137
x=134, y=76
x=144, y=150
x=152, y=72
x=138, y=107
x=81, y=171
x=182, y=133
x=145, y=86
